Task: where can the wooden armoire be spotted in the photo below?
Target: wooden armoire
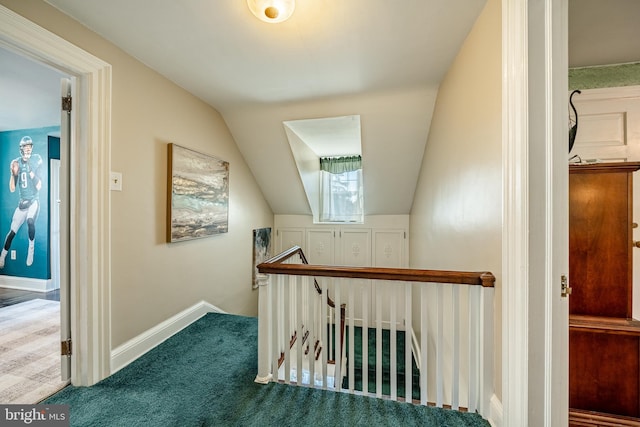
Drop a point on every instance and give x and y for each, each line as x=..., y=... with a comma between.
x=604, y=339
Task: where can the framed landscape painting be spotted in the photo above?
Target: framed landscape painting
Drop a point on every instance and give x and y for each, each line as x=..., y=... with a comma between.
x=198, y=195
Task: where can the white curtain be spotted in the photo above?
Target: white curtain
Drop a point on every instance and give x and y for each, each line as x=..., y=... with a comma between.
x=341, y=191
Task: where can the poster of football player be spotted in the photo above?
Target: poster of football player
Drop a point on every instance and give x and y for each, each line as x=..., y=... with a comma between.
x=25, y=176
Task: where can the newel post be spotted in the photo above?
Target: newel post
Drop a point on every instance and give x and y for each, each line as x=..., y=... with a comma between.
x=486, y=350
x=264, y=322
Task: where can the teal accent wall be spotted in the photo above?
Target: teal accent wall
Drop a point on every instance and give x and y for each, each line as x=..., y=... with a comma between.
x=9, y=150
x=604, y=76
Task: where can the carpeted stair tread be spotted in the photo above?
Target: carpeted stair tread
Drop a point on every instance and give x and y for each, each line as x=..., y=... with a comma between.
x=386, y=363
x=372, y=349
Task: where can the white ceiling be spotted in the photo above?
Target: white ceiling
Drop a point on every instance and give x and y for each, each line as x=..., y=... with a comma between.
x=603, y=32
x=378, y=59
x=221, y=52
x=331, y=136
x=30, y=93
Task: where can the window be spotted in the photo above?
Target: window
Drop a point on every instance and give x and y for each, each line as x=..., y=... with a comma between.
x=341, y=189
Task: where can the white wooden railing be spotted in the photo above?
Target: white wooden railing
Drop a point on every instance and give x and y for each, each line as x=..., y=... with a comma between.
x=309, y=316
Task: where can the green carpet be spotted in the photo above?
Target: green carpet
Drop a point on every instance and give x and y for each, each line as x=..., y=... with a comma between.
x=386, y=363
x=203, y=376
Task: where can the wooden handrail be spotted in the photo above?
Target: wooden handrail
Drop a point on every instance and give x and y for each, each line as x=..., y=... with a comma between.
x=289, y=253
x=285, y=255
x=275, y=266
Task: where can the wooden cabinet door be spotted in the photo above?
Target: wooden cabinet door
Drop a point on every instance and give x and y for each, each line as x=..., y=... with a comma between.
x=604, y=342
x=600, y=240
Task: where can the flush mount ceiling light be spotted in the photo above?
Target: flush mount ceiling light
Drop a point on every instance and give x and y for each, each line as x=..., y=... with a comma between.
x=272, y=11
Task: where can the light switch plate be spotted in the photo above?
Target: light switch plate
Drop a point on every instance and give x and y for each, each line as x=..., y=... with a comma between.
x=116, y=181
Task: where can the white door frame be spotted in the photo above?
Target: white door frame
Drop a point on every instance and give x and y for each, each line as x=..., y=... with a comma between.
x=89, y=205
x=535, y=228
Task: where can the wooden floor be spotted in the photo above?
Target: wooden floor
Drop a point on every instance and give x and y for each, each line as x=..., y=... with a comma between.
x=14, y=296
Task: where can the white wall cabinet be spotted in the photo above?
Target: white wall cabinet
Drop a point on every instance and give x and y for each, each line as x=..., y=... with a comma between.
x=383, y=244
x=355, y=247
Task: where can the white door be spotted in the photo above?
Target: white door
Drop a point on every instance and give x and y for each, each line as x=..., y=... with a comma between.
x=63, y=241
x=609, y=130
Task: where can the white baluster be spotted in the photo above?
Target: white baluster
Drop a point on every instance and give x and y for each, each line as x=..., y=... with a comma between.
x=393, y=342
x=311, y=342
x=408, y=334
x=486, y=350
x=338, y=334
x=378, y=341
x=276, y=318
x=365, y=339
x=455, y=309
x=439, y=348
x=325, y=329
x=350, y=311
x=287, y=321
x=474, y=342
x=424, y=347
x=300, y=328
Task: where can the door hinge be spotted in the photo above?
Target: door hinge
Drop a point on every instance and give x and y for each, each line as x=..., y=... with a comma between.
x=565, y=288
x=66, y=104
x=65, y=347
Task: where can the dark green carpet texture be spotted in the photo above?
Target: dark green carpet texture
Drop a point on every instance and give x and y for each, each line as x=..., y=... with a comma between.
x=203, y=376
x=386, y=363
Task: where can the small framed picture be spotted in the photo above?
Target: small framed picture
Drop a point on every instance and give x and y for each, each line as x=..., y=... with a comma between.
x=261, y=250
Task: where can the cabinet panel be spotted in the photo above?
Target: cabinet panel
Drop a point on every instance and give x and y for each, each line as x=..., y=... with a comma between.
x=604, y=373
x=388, y=248
x=600, y=243
x=288, y=237
x=320, y=248
x=355, y=248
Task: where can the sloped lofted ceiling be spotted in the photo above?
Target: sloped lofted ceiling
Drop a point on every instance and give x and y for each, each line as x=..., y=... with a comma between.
x=379, y=59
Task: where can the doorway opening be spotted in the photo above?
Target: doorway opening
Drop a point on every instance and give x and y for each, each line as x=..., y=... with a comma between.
x=86, y=259
x=30, y=295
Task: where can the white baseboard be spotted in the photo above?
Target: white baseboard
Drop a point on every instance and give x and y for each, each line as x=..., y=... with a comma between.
x=136, y=347
x=26, y=284
x=495, y=412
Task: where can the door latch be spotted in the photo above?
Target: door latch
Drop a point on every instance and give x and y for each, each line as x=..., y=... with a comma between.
x=565, y=288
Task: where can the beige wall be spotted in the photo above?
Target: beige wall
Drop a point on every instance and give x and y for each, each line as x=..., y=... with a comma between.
x=456, y=215
x=150, y=279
